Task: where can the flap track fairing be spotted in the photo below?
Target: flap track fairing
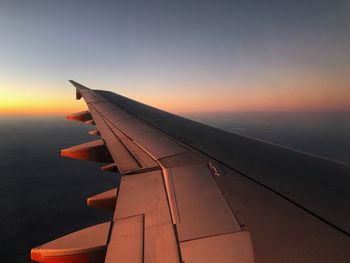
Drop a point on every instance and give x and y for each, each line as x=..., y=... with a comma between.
x=105, y=200
x=92, y=151
x=82, y=116
x=88, y=245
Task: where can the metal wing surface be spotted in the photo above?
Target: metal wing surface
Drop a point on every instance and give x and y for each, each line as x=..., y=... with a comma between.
x=193, y=193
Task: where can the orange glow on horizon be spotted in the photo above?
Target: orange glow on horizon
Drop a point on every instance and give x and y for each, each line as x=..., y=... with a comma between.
x=36, y=101
x=42, y=109
x=190, y=104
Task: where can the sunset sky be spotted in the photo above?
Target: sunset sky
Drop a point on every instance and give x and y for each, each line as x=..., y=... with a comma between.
x=181, y=56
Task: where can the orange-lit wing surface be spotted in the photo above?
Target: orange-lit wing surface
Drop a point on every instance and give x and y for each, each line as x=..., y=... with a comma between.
x=193, y=193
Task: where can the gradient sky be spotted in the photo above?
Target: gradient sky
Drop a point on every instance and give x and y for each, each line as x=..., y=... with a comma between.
x=181, y=56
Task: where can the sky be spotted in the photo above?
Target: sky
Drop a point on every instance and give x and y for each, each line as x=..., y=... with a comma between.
x=180, y=56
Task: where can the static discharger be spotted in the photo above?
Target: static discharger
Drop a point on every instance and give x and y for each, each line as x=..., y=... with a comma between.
x=110, y=168
x=90, y=122
x=94, y=132
x=82, y=116
x=87, y=245
x=92, y=151
x=105, y=200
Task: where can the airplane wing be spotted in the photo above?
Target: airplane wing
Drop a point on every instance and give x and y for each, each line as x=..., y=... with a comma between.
x=193, y=193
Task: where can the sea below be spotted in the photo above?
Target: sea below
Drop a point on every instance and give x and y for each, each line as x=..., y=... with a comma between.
x=43, y=196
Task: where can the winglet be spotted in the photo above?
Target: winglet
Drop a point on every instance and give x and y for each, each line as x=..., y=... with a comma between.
x=79, y=88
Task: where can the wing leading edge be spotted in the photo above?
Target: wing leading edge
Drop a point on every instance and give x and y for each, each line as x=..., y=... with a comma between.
x=192, y=193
